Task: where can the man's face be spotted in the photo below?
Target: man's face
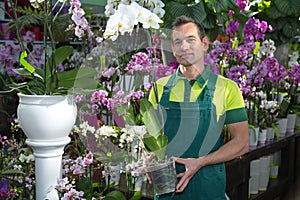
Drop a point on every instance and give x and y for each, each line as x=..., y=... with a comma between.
x=187, y=46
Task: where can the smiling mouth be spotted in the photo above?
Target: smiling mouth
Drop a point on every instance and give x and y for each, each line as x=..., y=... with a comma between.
x=185, y=56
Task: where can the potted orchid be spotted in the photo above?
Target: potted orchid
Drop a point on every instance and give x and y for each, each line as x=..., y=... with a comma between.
x=82, y=174
x=160, y=167
x=43, y=91
x=154, y=141
x=47, y=77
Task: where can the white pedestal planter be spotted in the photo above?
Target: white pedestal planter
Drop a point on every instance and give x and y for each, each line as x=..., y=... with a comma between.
x=47, y=122
x=47, y=167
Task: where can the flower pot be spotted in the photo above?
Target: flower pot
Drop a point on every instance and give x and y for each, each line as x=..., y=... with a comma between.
x=113, y=175
x=270, y=134
x=253, y=137
x=297, y=123
x=136, y=183
x=291, y=120
x=254, y=184
x=262, y=136
x=46, y=118
x=264, y=163
x=263, y=180
x=274, y=168
x=281, y=126
x=47, y=122
x=163, y=176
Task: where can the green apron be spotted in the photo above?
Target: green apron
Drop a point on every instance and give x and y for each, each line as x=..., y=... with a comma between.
x=193, y=130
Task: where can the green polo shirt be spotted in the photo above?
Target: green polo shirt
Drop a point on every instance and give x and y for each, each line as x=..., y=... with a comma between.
x=227, y=98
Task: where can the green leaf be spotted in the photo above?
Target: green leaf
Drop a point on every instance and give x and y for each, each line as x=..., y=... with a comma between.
x=273, y=13
x=197, y=12
x=83, y=77
x=162, y=141
x=222, y=17
x=11, y=172
x=96, y=185
x=60, y=55
x=115, y=195
x=176, y=9
x=113, y=157
x=276, y=131
x=84, y=185
x=284, y=107
x=151, y=119
x=25, y=73
x=127, y=114
x=288, y=7
x=209, y=22
x=291, y=27
x=218, y=5
x=150, y=143
x=137, y=195
x=25, y=64
x=156, y=145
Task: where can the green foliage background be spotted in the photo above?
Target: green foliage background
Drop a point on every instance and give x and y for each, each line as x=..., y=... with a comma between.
x=283, y=16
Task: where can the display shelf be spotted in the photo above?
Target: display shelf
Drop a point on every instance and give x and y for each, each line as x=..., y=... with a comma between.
x=275, y=188
x=270, y=147
x=238, y=170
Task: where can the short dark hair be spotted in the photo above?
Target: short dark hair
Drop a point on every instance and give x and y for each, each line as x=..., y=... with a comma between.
x=181, y=20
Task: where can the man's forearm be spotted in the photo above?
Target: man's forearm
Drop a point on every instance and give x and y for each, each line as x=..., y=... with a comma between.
x=237, y=146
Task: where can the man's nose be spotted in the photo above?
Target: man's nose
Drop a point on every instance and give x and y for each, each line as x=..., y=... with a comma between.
x=184, y=45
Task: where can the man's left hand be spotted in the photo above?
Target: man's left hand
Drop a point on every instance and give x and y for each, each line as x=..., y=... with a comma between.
x=192, y=165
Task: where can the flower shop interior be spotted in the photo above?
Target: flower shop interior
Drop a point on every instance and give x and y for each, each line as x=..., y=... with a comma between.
x=105, y=56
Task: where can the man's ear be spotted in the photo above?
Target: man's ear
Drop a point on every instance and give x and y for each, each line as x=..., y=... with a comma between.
x=205, y=42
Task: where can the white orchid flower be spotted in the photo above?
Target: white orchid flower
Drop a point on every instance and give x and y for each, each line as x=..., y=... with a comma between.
x=160, y=12
x=27, y=159
x=146, y=17
x=158, y=3
x=109, y=12
x=126, y=21
x=108, y=131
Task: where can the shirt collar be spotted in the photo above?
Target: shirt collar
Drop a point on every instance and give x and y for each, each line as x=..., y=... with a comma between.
x=200, y=79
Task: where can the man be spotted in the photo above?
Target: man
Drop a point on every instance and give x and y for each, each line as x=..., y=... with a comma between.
x=196, y=104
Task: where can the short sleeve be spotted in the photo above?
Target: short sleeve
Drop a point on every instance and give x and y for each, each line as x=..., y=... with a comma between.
x=235, y=105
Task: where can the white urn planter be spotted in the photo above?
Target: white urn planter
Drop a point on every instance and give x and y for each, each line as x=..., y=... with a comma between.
x=47, y=121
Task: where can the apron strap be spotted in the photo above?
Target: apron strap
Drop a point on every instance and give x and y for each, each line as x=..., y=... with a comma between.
x=211, y=85
x=169, y=84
